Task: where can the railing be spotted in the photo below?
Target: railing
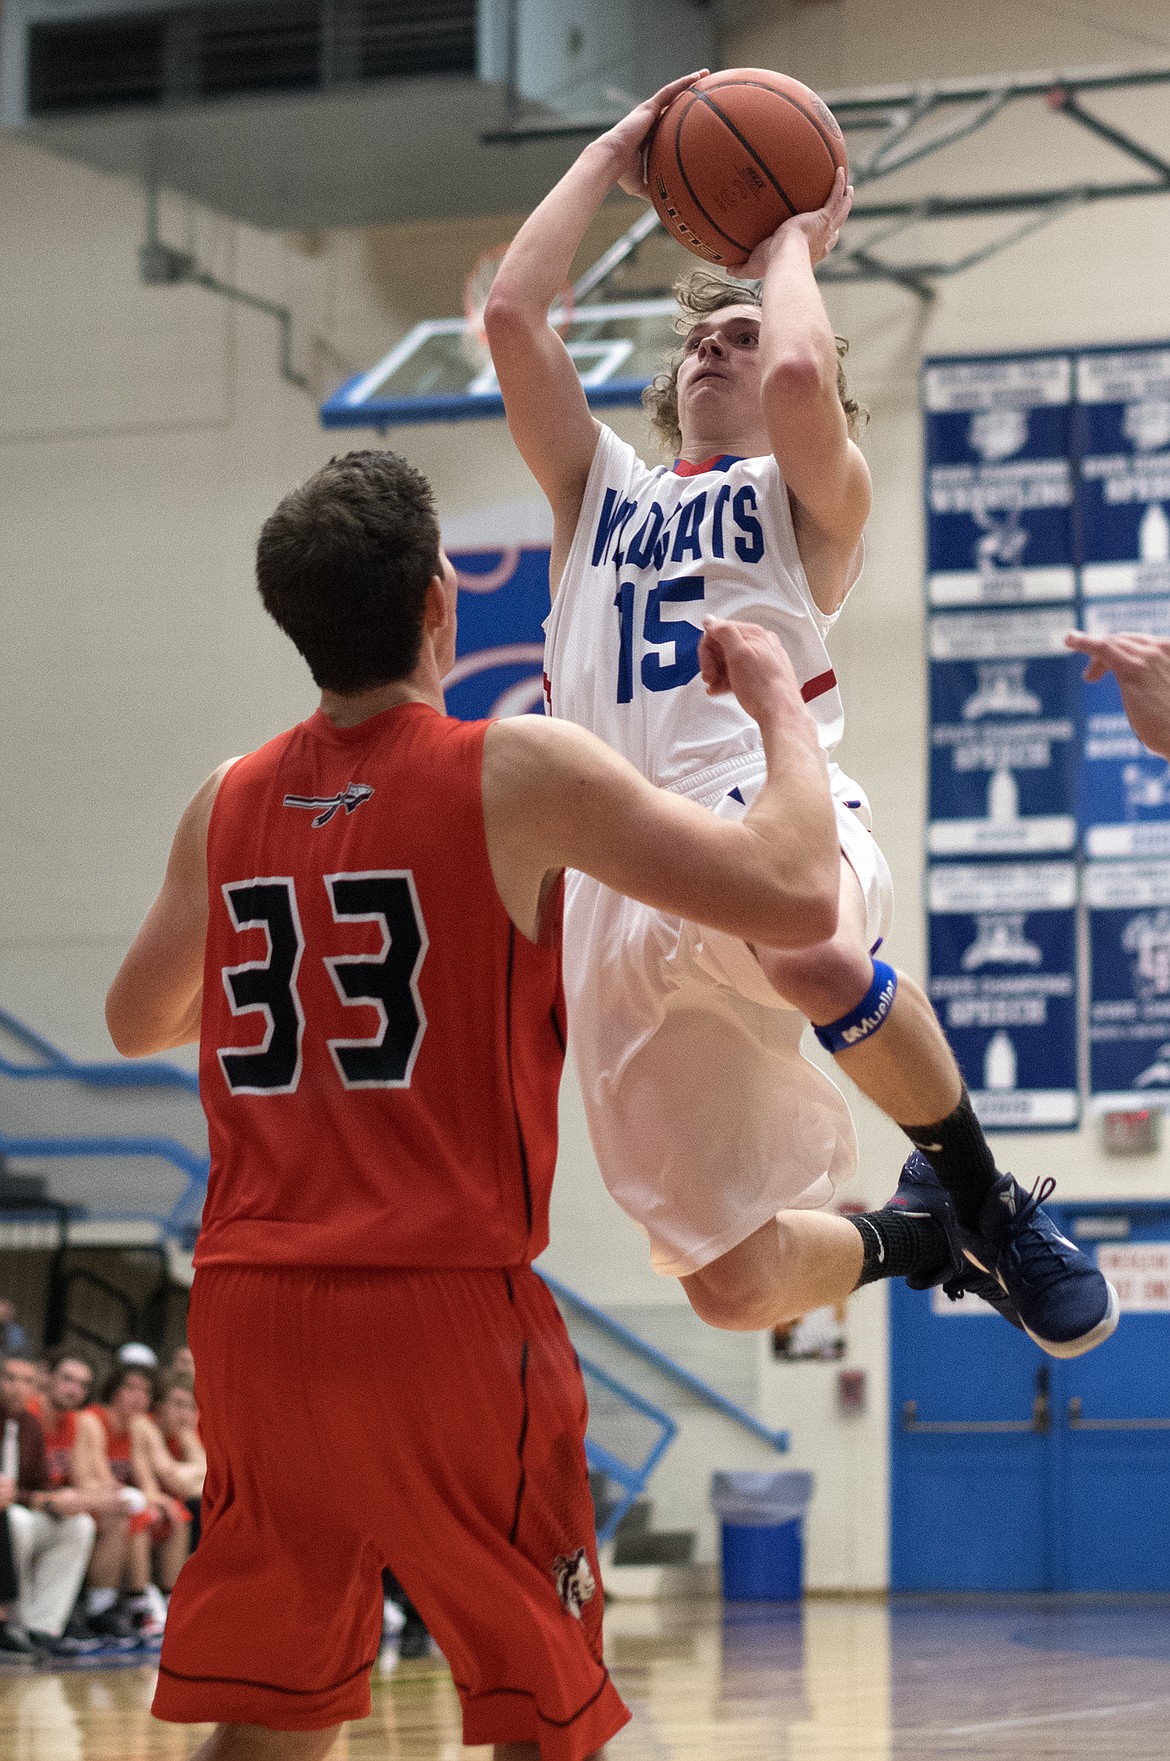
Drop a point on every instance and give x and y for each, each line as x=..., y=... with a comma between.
x=50, y=1064
x=55, y=1065
x=633, y=1478
x=183, y=1217
x=666, y=1366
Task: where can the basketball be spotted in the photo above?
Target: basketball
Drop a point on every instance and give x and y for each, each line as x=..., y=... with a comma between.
x=736, y=155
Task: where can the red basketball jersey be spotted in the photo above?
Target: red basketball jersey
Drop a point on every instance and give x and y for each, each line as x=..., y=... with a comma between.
x=381, y=1048
x=118, y=1447
x=58, y=1442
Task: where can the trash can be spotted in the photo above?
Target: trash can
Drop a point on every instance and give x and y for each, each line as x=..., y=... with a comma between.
x=761, y=1515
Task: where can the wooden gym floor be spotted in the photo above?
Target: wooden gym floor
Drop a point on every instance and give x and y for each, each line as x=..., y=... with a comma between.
x=1015, y=1679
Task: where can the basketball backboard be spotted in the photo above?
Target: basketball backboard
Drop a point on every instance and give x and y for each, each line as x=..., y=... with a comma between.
x=441, y=372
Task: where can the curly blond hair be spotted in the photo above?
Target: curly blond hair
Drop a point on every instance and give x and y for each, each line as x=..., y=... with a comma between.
x=699, y=294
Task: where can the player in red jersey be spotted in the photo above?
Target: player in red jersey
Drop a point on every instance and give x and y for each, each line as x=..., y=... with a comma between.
x=360, y=923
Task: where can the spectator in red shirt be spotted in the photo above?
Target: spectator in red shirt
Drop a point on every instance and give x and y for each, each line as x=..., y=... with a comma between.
x=171, y=1439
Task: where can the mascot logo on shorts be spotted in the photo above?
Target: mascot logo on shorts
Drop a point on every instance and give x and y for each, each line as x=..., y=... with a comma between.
x=574, y=1581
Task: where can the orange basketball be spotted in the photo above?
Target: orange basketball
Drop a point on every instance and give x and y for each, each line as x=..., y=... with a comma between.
x=737, y=154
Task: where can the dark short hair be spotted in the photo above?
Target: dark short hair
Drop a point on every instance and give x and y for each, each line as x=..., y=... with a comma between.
x=175, y=1379
x=343, y=565
x=121, y=1374
x=69, y=1354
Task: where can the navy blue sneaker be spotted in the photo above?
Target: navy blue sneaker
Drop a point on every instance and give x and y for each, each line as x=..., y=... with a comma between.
x=1064, y=1303
x=922, y=1194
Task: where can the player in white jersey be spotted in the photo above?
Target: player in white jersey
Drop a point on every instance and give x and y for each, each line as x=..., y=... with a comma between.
x=710, y=1128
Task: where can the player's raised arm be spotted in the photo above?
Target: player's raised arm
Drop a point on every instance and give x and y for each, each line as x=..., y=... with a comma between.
x=827, y=477
x=1141, y=666
x=556, y=797
x=545, y=402
x=155, y=1000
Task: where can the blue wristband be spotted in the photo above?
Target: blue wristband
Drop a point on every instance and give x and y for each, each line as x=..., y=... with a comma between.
x=866, y=1018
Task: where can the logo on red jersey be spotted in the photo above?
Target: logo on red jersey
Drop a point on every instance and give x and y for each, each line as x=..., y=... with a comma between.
x=350, y=797
x=574, y=1581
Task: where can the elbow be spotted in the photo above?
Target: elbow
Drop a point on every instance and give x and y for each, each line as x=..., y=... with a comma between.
x=499, y=313
x=797, y=378
x=127, y=1035
x=507, y=313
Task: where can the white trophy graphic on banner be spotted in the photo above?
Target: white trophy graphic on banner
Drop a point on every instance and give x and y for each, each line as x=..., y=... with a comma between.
x=1000, y=941
x=999, y=1063
x=1000, y=690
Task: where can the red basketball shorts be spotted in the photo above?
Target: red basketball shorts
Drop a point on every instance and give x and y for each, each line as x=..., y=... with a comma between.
x=432, y=1421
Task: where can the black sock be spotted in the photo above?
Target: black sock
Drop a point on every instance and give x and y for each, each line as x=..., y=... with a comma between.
x=961, y=1157
x=899, y=1246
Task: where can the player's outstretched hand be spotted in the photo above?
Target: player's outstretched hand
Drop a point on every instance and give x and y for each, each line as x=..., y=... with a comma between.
x=1141, y=665
x=627, y=138
x=749, y=661
x=822, y=229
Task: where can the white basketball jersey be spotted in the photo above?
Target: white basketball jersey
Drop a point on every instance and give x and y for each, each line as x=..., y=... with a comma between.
x=655, y=551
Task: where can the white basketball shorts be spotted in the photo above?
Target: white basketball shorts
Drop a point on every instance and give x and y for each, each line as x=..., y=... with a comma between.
x=705, y=1117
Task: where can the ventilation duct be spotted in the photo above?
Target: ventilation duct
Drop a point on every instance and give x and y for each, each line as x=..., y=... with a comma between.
x=300, y=113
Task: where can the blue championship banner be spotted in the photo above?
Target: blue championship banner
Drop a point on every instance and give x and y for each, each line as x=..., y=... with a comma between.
x=1122, y=431
x=503, y=602
x=1124, y=793
x=1129, y=985
x=999, y=492
x=1003, y=759
x=1003, y=944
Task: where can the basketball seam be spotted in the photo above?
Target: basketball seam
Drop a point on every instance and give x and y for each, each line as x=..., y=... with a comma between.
x=739, y=246
x=759, y=86
x=747, y=146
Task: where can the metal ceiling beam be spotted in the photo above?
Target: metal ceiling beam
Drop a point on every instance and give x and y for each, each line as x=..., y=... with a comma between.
x=860, y=106
x=901, y=113
x=1068, y=105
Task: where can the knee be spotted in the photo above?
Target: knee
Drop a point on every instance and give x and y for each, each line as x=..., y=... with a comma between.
x=21, y=1524
x=81, y=1530
x=732, y=1300
x=823, y=982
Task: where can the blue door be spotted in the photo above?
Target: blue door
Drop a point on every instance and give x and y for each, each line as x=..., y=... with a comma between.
x=1011, y=1470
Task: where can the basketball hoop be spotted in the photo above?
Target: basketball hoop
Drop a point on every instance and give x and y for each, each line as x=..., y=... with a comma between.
x=476, y=289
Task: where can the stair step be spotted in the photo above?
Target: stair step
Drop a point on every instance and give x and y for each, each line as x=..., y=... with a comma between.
x=655, y=1547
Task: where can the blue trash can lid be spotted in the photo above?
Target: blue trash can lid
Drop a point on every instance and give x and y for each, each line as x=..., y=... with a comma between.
x=744, y=1496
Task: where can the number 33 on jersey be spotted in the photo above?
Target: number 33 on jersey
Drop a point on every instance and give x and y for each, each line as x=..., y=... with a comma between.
x=386, y=981
x=381, y=1048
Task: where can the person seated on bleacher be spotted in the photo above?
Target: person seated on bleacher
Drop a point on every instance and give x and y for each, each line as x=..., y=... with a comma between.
x=177, y=1456
x=183, y=1358
x=127, y=1396
x=76, y=1451
x=51, y=1535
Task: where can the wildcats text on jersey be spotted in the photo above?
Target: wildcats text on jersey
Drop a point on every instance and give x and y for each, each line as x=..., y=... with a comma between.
x=655, y=552
x=689, y=533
